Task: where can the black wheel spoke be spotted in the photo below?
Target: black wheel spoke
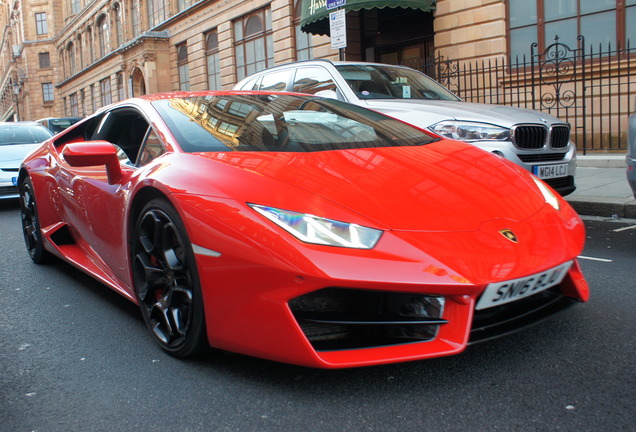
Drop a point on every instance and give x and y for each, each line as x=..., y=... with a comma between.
x=163, y=279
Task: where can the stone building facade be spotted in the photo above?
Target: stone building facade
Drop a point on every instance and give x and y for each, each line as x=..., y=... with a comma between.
x=71, y=57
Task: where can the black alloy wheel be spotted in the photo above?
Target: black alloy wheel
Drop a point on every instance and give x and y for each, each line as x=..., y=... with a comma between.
x=31, y=223
x=166, y=280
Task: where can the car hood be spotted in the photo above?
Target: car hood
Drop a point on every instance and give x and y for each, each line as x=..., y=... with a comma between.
x=424, y=113
x=443, y=186
x=11, y=156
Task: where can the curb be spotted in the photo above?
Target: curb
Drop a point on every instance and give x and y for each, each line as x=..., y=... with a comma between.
x=601, y=161
x=604, y=207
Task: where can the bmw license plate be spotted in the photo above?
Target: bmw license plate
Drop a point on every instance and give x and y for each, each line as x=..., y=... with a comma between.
x=550, y=171
x=14, y=180
x=500, y=293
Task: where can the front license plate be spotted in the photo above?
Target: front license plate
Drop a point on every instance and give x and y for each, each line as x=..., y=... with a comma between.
x=550, y=171
x=500, y=293
x=14, y=180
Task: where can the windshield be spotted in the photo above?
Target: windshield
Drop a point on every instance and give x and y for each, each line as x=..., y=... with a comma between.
x=281, y=123
x=13, y=134
x=387, y=82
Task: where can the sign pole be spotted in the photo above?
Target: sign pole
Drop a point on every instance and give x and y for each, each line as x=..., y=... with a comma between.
x=338, y=26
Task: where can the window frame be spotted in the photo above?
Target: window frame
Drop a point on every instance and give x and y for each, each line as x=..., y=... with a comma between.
x=47, y=90
x=543, y=41
x=41, y=24
x=242, y=41
x=183, y=66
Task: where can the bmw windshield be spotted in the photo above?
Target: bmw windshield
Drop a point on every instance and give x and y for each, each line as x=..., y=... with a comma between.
x=386, y=82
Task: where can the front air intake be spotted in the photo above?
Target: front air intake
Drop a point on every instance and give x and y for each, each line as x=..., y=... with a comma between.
x=340, y=318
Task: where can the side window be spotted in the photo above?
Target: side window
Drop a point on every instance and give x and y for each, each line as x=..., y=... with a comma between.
x=125, y=128
x=152, y=148
x=276, y=81
x=312, y=80
x=250, y=84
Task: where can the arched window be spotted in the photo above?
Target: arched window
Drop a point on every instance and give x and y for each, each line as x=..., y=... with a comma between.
x=254, y=43
x=70, y=49
x=118, y=33
x=134, y=18
x=184, y=68
x=80, y=51
x=90, y=44
x=103, y=35
x=213, y=61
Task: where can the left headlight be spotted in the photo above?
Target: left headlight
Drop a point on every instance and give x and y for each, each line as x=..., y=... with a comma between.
x=470, y=131
x=317, y=230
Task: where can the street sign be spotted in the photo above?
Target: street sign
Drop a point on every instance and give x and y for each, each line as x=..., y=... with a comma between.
x=332, y=4
x=338, y=28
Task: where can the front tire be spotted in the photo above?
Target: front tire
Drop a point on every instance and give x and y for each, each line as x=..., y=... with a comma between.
x=166, y=280
x=31, y=223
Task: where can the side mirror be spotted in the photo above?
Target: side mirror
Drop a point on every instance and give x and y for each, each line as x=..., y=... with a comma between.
x=94, y=153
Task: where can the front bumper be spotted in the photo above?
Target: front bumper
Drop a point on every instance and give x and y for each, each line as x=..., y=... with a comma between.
x=8, y=183
x=274, y=306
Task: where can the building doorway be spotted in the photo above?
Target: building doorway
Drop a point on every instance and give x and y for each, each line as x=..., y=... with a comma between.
x=137, y=83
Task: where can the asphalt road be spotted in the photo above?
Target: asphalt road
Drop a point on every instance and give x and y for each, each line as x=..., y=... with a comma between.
x=75, y=356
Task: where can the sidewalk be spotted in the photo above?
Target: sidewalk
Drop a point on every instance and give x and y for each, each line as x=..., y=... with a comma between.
x=602, y=188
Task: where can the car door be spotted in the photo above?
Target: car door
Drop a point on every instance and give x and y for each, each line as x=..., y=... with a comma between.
x=96, y=207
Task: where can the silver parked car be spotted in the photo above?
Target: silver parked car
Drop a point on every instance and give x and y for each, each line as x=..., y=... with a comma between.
x=631, y=153
x=534, y=140
x=16, y=141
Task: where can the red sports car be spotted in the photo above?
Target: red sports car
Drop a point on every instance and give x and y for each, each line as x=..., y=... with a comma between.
x=300, y=229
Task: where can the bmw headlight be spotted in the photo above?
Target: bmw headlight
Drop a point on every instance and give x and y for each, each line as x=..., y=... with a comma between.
x=470, y=131
x=317, y=230
x=549, y=196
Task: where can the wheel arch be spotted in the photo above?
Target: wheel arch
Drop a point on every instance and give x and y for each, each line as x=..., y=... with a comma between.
x=143, y=196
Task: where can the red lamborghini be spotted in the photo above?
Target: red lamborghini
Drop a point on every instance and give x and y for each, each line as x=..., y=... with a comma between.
x=300, y=229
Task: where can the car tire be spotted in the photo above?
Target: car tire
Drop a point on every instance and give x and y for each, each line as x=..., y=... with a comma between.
x=31, y=223
x=166, y=280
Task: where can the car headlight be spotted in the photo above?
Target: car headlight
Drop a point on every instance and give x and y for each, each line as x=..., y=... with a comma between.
x=317, y=230
x=549, y=196
x=470, y=131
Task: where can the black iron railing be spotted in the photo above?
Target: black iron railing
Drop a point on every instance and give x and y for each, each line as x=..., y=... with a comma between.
x=591, y=88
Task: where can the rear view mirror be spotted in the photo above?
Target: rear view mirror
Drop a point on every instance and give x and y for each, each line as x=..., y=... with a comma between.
x=94, y=153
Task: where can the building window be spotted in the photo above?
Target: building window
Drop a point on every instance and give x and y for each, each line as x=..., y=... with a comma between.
x=107, y=98
x=602, y=23
x=47, y=92
x=303, y=40
x=254, y=44
x=45, y=60
x=75, y=6
x=156, y=12
x=80, y=52
x=70, y=49
x=74, y=105
x=93, y=101
x=184, y=4
x=90, y=44
x=213, y=61
x=118, y=32
x=184, y=69
x=120, y=86
x=134, y=13
x=41, y=26
x=103, y=35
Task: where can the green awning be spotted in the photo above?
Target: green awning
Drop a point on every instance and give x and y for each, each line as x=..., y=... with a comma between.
x=314, y=13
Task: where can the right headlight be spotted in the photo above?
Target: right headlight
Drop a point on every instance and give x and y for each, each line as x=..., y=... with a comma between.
x=470, y=131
